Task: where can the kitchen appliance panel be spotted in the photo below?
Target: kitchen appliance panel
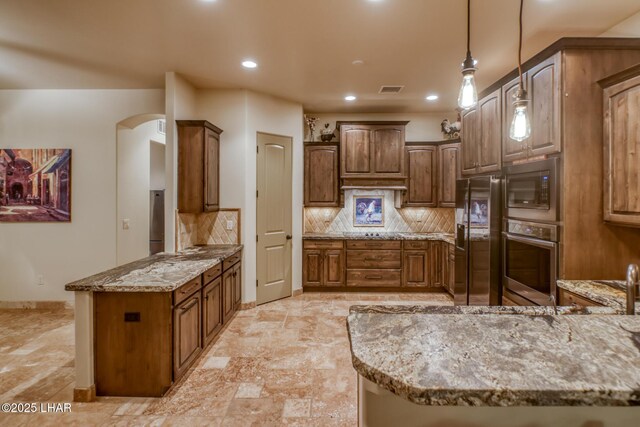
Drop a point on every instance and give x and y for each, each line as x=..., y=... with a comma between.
x=531, y=191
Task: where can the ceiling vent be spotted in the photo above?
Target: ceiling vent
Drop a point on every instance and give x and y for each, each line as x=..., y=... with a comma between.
x=391, y=89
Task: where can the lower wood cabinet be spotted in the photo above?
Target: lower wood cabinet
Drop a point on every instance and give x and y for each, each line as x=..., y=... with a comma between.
x=323, y=263
x=374, y=263
x=211, y=310
x=187, y=334
x=417, y=263
x=145, y=341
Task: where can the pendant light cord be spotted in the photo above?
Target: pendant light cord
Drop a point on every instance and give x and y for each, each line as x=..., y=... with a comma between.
x=468, y=27
x=520, y=46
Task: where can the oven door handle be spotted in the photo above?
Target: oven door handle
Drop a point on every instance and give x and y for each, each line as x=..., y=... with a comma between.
x=530, y=240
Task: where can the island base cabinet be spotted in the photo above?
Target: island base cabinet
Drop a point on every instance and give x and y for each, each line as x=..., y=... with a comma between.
x=133, y=343
x=378, y=407
x=187, y=333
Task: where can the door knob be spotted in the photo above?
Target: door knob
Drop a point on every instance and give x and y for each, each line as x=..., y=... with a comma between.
x=289, y=237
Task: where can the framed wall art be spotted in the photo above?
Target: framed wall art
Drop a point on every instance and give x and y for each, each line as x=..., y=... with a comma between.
x=35, y=185
x=368, y=211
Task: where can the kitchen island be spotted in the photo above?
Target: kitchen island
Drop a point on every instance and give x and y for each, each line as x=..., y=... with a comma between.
x=495, y=366
x=140, y=326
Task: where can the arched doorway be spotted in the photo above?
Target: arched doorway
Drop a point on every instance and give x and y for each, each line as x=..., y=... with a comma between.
x=139, y=139
x=17, y=192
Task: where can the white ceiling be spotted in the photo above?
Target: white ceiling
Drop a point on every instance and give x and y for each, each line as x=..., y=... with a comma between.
x=305, y=48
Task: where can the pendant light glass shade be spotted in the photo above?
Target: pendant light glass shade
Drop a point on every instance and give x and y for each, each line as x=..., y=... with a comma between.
x=521, y=124
x=468, y=96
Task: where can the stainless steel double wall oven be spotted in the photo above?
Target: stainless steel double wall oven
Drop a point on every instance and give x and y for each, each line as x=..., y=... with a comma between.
x=530, y=236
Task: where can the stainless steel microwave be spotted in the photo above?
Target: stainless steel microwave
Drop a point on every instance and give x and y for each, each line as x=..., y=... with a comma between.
x=531, y=191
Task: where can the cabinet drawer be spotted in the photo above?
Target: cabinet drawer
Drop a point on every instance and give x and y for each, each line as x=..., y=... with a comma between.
x=374, y=278
x=569, y=298
x=374, y=244
x=212, y=273
x=417, y=244
x=184, y=291
x=374, y=259
x=230, y=261
x=323, y=244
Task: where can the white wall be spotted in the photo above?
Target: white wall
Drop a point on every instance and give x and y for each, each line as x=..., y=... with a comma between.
x=241, y=115
x=421, y=127
x=85, y=121
x=630, y=27
x=133, y=185
x=157, y=177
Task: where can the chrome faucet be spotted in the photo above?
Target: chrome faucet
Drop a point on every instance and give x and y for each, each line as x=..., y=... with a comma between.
x=633, y=285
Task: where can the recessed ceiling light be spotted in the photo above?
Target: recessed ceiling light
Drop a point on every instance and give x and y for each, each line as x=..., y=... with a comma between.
x=358, y=62
x=350, y=98
x=249, y=64
x=432, y=97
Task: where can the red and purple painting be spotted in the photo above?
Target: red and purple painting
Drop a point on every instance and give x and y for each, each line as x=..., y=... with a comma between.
x=35, y=185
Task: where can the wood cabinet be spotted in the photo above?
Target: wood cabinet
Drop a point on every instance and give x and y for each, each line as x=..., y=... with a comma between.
x=422, y=168
x=198, y=166
x=231, y=287
x=323, y=263
x=449, y=273
x=482, y=136
x=417, y=263
x=622, y=148
x=569, y=298
x=448, y=173
x=187, y=335
x=374, y=263
x=372, y=150
x=321, y=175
x=211, y=310
x=543, y=84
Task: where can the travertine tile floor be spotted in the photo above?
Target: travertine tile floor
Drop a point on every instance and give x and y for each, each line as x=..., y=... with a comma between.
x=283, y=363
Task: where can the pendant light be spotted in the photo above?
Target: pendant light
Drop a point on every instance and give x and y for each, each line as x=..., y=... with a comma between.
x=468, y=97
x=521, y=124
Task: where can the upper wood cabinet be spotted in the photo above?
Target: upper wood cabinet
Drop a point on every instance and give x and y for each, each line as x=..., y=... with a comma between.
x=370, y=150
x=448, y=173
x=544, y=88
x=482, y=136
x=198, y=166
x=321, y=175
x=622, y=148
x=422, y=166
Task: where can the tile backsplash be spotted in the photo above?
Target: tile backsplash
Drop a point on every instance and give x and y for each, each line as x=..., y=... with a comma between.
x=207, y=228
x=417, y=220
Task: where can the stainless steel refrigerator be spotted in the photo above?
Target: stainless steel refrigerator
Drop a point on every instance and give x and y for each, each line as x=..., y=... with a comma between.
x=156, y=221
x=477, y=241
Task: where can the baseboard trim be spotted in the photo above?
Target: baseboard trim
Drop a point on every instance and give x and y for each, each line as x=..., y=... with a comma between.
x=247, y=305
x=84, y=394
x=36, y=305
x=297, y=292
x=372, y=289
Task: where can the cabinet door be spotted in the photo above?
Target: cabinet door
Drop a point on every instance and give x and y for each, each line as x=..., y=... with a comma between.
x=321, y=186
x=334, y=267
x=422, y=171
x=211, y=171
x=437, y=257
x=448, y=173
x=388, y=150
x=312, y=267
x=187, y=333
x=228, y=285
x=237, y=286
x=416, y=268
x=355, y=143
x=621, y=148
x=545, y=96
x=212, y=310
x=511, y=150
x=451, y=272
x=469, y=141
x=490, y=137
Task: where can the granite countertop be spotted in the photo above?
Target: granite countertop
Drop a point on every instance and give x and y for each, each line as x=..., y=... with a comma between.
x=445, y=237
x=610, y=293
x=162, y=272
x=498, y=356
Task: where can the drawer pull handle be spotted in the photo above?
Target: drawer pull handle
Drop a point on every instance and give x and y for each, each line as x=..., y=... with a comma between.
x=373, y=277
x=371, y=259
x=188, y=307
